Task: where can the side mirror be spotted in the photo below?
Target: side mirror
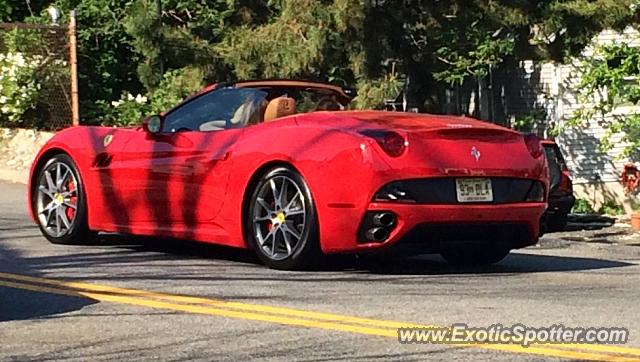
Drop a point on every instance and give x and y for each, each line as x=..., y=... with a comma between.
x=152, y=124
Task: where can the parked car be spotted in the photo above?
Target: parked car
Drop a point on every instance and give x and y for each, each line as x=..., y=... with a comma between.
x=561, y=197
x=243, y=165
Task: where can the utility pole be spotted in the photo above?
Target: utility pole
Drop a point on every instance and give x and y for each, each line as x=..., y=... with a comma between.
x=159, y=15
x=73, y=64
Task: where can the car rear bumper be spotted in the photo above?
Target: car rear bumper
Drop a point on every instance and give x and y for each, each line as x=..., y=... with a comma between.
x=434, y=227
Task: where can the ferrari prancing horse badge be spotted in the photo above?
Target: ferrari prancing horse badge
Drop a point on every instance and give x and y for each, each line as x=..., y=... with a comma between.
x=107, y=139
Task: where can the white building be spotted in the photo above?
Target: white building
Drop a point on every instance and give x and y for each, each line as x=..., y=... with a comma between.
x=596, y=174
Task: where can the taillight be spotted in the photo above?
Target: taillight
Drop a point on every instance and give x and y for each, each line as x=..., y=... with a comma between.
x=565, y=181
x=391, y=142
x=533, y=145
x=536, y=193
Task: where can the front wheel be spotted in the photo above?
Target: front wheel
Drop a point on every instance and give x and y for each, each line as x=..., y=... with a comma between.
x=58, y=202
x=281, y=223
x=474, y=256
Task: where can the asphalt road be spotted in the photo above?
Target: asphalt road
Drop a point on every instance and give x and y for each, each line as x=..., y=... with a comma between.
x=133, y=299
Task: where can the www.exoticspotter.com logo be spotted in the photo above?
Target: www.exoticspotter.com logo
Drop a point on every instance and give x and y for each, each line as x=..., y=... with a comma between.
x=519, y=334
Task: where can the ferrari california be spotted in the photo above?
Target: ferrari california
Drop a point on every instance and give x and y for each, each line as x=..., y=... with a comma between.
x=285, y=169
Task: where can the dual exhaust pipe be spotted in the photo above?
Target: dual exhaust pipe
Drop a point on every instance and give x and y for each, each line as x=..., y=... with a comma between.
x=383, y=223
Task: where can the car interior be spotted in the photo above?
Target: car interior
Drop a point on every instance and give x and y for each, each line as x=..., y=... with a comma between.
x=283, y=101
x=253, y=103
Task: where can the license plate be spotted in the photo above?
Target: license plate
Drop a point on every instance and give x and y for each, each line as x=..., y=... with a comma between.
x=474, y=190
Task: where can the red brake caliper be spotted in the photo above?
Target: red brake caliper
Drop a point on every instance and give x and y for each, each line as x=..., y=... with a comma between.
x=270, y=225
x=73, y=200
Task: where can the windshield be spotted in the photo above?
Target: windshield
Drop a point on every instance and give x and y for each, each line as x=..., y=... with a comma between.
x=216, y=110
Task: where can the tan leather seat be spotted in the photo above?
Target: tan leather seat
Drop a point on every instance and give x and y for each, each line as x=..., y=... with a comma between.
x=280, y=107
x=249, y=113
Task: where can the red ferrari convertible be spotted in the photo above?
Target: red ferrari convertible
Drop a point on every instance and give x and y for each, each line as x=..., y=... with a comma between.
x=282, y=168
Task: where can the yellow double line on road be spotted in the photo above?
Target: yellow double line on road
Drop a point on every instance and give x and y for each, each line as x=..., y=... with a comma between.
x=290, y=317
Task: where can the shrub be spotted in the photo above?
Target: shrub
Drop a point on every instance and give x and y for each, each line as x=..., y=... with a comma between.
x=129, y=110
x=582, y=206
x=126, y=111
x=34, y=79
x=175, y=86
x=18, y=87
x=610, y=207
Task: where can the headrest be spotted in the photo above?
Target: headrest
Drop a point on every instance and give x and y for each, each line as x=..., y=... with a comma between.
x=280, y=107
x=248, y=113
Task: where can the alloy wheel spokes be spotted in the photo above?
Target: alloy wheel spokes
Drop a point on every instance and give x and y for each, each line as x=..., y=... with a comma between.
x=48, y=208
x=292, y=231
x=274, y=193
x=265, y=206
x=296, y=197
x=56, y=199
x=58, y=223
x=64, y=219
x=50, y=183
x=287, y=242
x=45, y=191
x=279, y=217
x=61, y=178
x=262, y=240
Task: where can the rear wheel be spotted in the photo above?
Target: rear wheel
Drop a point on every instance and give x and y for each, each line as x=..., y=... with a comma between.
x=58, y=202
x=556, y=222
x=474, y=256
x=281, y=223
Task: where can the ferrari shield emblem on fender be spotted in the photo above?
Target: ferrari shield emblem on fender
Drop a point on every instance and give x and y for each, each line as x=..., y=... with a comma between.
x=107, y=139
x=475, y=153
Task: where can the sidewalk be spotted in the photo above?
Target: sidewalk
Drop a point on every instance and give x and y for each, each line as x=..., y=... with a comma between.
x=599, y=229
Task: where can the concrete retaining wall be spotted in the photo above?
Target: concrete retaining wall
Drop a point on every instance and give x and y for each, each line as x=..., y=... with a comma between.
x=18, y=148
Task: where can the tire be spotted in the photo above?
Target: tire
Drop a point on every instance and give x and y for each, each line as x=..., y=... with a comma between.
x=282, y=227
x=60, y=208
x=474, y=256
x=556, y=222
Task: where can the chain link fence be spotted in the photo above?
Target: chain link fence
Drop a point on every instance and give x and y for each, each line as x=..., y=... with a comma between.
x=35, y=79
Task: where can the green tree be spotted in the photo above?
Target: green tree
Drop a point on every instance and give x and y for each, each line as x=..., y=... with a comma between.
x=181, y=36
x=323, y=40
x=611, y=79
x=373, y=44
x=434, y=43
x=17, y=10
x=445, y=43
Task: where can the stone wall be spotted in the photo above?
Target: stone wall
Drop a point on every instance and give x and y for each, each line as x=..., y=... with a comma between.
x=18, y=148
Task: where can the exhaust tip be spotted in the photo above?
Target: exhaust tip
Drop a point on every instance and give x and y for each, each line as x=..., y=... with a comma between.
x=377, y=234
x=384, y=219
